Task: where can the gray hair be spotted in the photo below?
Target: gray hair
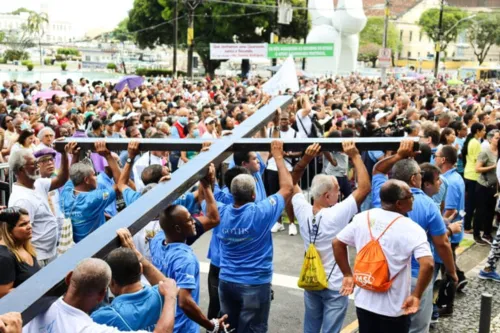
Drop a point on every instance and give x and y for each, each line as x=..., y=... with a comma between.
x=321, y=184
x=403, y=170
x=17, y=159
x=79, y=171
x=43, y=130
x=243, y=188
x=491, y=134
x=91, y=276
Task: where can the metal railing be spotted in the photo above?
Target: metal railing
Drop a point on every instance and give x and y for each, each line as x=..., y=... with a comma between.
x=37, y=293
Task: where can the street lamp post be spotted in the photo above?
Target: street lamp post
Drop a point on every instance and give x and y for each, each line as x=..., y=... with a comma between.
x=440, y=36
x=383, y=70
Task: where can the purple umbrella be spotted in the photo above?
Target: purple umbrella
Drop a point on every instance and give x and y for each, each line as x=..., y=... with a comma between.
x=132, y=81
x=47, y=94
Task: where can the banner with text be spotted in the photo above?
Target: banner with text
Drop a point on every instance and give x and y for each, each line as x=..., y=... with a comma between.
x=300, y=50
x=264, y=50
x=245, y=51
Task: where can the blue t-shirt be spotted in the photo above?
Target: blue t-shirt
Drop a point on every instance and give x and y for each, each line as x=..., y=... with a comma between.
x=246, y=244
x=178, y=261
x=260, y=189
x=104, y=182
x=424, y=212
x=86, y=210
x=455, y=199
x=375, y=155
x=187, y=200
x=132, y=312
x=223, y=195
x=441, y=195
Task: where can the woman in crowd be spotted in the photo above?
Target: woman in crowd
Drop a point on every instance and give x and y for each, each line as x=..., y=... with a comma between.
x=17, y=255
x=26, y=140
x=193, y=133
x=447, y=137
x=486, y=188
x=470, y=152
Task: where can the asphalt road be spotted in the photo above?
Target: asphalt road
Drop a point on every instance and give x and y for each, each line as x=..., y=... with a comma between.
x=287, y=309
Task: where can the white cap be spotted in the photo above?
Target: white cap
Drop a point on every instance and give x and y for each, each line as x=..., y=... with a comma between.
x=133, y=114
x=117, y=117
x=209, y=120
x=381, y=115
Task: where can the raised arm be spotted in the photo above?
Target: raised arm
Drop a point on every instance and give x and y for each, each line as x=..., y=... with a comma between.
x=285, y=179
x=168, y=289
x=101, y=149
x=132, y=151
x=362, y=176
x=63, y=174
x=384, y=166
x=212, y=218
x=311, y=152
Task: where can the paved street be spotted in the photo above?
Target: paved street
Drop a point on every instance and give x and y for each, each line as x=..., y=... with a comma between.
x=287, y=309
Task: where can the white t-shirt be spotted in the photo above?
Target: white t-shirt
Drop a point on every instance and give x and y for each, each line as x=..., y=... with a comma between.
x=306, y=122
x=62, y=317
x=207, y=135
x=290, y=134
x=142, y=163
x=331, y=221
x=43, y=221
x=402, y=240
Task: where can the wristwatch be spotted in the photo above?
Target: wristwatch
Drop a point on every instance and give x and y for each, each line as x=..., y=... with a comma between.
x=129, y=160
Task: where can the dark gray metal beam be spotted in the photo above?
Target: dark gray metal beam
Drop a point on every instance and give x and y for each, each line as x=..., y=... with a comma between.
x=36, y=294
x=249, y=144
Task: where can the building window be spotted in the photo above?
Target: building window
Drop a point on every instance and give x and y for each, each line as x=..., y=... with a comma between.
x=401, y=34
x=420, y=35
x=411, y=35
x=409, y=55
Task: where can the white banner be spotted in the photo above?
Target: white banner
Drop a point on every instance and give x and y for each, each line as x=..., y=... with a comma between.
x=285, y=78
x=245, y=51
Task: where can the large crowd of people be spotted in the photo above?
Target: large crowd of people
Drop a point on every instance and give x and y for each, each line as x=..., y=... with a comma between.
x=410, y=208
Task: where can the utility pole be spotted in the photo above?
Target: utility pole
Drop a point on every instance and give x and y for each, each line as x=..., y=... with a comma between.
x=307, y=32
x=383, y=70
x=439, y=40
x=192, y=4
x=176, y=42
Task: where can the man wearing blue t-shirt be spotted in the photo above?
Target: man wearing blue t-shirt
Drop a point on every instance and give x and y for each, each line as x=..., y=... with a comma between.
x=425, y=213
x=246, y=248
x=82, y=201
x=446, y=159
x=176, y=260
x=135, y=307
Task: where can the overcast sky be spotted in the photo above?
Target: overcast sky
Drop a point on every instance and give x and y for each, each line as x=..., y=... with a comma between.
x=85, y=15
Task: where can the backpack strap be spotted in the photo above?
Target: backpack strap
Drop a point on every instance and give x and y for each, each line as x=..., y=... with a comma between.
x=383, y=232
x=317, y=230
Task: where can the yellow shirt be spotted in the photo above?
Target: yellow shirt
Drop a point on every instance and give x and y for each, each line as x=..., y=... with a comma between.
x=473, y=150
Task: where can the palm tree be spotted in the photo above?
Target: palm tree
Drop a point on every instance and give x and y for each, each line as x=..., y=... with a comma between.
x=36, y=26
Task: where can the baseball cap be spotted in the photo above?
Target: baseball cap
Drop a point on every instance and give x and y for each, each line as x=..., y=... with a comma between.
x=117, y=117
x=209, y=120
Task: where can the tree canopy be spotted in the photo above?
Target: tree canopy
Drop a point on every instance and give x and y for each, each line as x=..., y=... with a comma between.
x=371, y=39
x=121, y=32
x=429, y=22
x=213, y=23
x=483, y=33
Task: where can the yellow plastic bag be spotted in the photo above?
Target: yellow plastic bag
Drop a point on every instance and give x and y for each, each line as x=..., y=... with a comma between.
x=312, y=275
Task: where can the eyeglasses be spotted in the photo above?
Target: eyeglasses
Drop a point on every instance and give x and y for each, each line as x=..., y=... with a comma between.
x=45, y=160
x=409, y=197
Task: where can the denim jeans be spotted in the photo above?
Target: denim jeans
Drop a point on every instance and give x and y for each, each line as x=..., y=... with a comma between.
x=247, y=306
x=324, y=308
x=421, y=320
x=213, y=292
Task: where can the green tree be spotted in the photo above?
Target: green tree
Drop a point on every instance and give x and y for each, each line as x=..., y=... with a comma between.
x=121, y=32
x=2, y=36
x=20, y=10
x=214, y=23
x=429, y=22
x=17, y=41
x=372, y=37
x=36, y=27
x=483, y=33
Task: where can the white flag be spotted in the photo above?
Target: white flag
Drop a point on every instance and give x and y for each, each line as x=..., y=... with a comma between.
x=285, y=78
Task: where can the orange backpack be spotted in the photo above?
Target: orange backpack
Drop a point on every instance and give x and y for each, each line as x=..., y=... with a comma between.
x=371, y=270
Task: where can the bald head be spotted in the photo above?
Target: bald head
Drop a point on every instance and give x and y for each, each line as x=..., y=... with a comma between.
x=91, y=276
x=392, y=191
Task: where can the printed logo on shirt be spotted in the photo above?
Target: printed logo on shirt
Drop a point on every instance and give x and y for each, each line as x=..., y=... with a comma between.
x=189, y=276
x=105, y=195
x=272, y=201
